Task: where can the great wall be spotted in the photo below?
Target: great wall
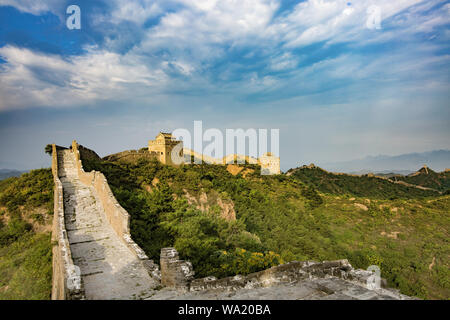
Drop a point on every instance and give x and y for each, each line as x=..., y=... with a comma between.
x=94, y=256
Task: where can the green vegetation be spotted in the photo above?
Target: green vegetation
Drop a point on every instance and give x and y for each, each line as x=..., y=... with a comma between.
x=308, y=215
x=33, y=189
x=284, y=218
x=162, y=217
x=360, y=186
x=26, y=205
x=48, y=149
x=429, y=179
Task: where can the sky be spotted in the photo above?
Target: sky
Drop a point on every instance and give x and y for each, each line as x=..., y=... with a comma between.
x=335, y=82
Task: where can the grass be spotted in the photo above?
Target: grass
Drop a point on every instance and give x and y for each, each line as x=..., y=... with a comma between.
x=25, y=250
x=26, y=268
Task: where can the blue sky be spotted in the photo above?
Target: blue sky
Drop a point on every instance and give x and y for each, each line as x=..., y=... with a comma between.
x=336, y=89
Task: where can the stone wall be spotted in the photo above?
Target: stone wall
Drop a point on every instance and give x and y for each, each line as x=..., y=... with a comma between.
x=88, y=154
x=231, y=158
x=289, y=273
x=175, y=273
x=179, y=274
x=117, y=216
x=269, y=164
x=66, y=281
x=132, y=156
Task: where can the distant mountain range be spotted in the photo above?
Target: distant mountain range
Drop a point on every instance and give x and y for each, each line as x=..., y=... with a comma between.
x=7, y=173
x=438, y=160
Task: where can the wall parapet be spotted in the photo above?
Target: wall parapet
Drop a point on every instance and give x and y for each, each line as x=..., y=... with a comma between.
x=175, y=273
x=268, y=162
x=66, y=278
x=179, y=274
x=132, y=156
x=286, y=273
x=116, y=215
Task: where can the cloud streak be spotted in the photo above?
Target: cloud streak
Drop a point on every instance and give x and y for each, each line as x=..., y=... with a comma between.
x=248, y=49
x=36, y=79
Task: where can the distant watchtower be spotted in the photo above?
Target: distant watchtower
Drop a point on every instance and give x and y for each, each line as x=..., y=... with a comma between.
x=163, y=146
x=269, y=164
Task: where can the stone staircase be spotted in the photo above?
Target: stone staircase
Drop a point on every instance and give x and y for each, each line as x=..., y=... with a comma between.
x=109, y=270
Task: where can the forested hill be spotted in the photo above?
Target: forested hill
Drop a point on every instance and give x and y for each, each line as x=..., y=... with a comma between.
x=230, y=220
x=428, y=178
x=357, y=185
x=26, y=215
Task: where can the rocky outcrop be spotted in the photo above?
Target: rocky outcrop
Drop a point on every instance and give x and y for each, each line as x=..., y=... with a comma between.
x=361, y=206
x=205, y=203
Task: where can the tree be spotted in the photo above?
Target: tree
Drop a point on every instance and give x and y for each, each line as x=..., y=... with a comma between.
x=49, y=149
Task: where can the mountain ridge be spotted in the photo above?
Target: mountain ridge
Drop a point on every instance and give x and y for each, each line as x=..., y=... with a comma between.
x=8, y=173
x=437, y=159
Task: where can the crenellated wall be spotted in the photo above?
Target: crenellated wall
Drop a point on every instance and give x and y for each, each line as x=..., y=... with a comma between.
x=66, y=279
x=132, y=156
x=66, y=282
x=269, y=163
x=339, y=278
x=117, y=216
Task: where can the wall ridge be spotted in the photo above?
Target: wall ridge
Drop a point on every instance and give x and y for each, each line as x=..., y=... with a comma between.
x=66, y=278
x=117, y=216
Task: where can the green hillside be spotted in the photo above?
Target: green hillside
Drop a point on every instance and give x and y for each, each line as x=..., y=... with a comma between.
x=283, y=218
x=359, y=186
x=230, y=220
x=26, y=210
x=428, y=178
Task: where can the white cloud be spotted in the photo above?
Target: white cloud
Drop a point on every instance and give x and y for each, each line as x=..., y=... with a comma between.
x=35, y=79
x=35, y=7
x=334, y=21
x=135, y=10
x=195, y=35
x=284, y=61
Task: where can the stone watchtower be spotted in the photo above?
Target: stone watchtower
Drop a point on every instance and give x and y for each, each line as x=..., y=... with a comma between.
x=163, y=146
x=269, y=164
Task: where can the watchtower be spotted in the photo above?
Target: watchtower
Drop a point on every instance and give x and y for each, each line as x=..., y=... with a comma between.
x=269, y=164
x=163, y=145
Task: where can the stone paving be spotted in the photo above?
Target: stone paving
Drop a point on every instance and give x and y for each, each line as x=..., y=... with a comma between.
x=109, y=270
x=330, y=288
